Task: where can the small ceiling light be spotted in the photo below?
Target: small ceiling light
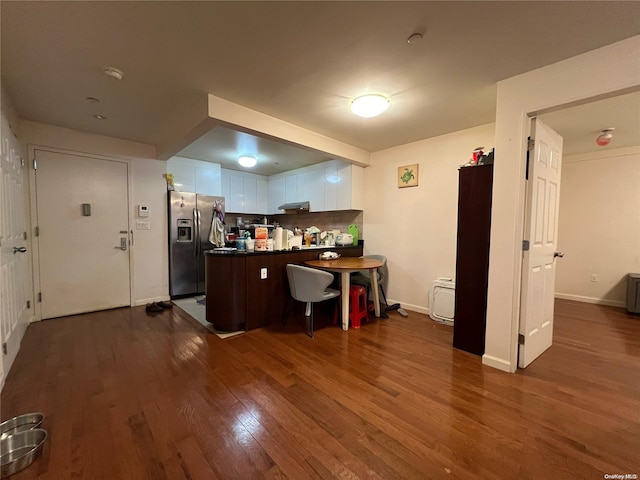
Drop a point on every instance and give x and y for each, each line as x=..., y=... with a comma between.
x=99, y=117
x=113, y=73
x=415, y=38
x=247, y=161
x=93, y=100
x=605, y=136
x=368, y=106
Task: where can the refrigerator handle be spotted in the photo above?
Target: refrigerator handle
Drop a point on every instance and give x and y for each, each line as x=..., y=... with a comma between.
x=196, y=233
x=199, y=245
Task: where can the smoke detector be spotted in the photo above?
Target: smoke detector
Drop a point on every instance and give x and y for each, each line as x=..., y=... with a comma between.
x=605, y=136
x=113, y=73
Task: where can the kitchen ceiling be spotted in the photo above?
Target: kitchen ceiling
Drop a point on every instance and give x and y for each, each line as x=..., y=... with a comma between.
x=223, y=145
x=300, y=62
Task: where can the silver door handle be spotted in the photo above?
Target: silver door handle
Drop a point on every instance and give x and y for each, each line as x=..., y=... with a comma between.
x=558, y=254
x=19, y=250
x=123, y=244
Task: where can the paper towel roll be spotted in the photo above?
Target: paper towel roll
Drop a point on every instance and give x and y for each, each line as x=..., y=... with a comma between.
x=277, y=239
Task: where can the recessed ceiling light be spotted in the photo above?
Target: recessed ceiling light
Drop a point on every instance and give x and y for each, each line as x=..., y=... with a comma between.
x=247, y=161
x=113, y=73
x=368, y=106
x=99, y=117
x=93, y=99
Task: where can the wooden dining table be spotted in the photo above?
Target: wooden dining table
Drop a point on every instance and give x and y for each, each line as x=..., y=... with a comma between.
x=345, y=266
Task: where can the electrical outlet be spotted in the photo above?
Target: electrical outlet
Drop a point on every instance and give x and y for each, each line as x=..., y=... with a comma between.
x=594, y=277
x=263, y=273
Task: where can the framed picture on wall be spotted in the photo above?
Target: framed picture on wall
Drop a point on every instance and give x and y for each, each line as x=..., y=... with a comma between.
x=408, y=176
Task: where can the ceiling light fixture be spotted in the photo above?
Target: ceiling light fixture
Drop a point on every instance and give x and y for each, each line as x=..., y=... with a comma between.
x=605, y=136
x=247, y=161
x=371, y=105
x=93, y=99
x=99, y=117
x=113, y=73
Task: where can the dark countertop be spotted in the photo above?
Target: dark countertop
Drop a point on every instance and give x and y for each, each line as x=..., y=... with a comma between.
x=279, y=252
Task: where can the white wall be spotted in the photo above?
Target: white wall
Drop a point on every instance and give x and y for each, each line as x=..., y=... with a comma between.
x=416, y=227
x=599, y=225
x=610, y=69
x=148, y=186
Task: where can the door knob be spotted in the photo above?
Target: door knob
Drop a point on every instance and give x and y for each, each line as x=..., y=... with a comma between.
x=558, y=254
x=19, y=250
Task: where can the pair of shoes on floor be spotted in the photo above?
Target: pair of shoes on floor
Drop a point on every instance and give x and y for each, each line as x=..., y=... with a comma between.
x=158, y=306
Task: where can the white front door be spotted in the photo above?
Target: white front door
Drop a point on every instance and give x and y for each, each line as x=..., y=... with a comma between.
x=14, y=261
x=83, y=242
x=541, y=232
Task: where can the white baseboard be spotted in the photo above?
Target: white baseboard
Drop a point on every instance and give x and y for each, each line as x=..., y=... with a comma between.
x=597, y=301
x=408, y=306
x=498, y=363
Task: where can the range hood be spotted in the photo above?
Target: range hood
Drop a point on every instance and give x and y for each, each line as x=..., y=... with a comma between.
x=295, y=207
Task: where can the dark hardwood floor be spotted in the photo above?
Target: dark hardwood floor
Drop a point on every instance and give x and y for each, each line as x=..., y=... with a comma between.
x=131, y=396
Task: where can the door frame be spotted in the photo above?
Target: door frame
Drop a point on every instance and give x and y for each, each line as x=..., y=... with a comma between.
x=33, y=219
x=605, y=72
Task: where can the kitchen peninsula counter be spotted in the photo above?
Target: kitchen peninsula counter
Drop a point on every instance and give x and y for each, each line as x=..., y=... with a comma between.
x=238, y=298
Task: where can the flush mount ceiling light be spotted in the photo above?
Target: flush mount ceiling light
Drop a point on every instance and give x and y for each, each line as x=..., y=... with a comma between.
x=368, y=106
x=247, y=161
x=605, y=136
x=113, y=73
x=99, y=117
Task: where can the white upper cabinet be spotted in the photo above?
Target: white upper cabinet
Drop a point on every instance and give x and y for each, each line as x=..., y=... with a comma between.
x=244, y=192
x=333, y=185
x=276, y=194
x=291, y=189
x=195, y=176
x=311, y=187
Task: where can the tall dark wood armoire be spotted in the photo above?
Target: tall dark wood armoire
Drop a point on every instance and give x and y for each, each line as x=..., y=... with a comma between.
x=472, y=257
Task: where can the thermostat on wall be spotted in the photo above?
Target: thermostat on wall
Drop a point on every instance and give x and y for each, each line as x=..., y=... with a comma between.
x=143, y=211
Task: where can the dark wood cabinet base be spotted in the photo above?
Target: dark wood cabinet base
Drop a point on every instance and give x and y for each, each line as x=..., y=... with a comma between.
x=239, y=298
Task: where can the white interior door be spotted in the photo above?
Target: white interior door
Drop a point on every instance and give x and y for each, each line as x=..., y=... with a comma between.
x=82, y=218
x=541, y=231
x=14, y=262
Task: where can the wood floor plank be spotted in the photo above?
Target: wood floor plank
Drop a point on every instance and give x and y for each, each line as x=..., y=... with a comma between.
x=128, y=395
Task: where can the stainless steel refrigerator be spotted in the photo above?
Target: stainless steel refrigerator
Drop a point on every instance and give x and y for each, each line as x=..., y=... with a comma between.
x=191, y=217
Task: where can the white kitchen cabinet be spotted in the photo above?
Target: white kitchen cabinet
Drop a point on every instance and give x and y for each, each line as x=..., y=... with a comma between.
x=331, y=183
x=195, y=176
x=311, y=188
x=250, y=195
x=244, y=192
x=343, y=191
x=208, y=180
x=184, y=176
x=262, y=202
x=235, y=200
x=291, y=189
x=276, y=194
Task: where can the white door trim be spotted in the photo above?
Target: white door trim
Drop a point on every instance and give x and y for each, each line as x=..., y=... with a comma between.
x=33, y=217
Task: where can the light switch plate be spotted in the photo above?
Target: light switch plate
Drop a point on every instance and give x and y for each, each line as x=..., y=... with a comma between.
x=143, y=225
x=263, y=273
